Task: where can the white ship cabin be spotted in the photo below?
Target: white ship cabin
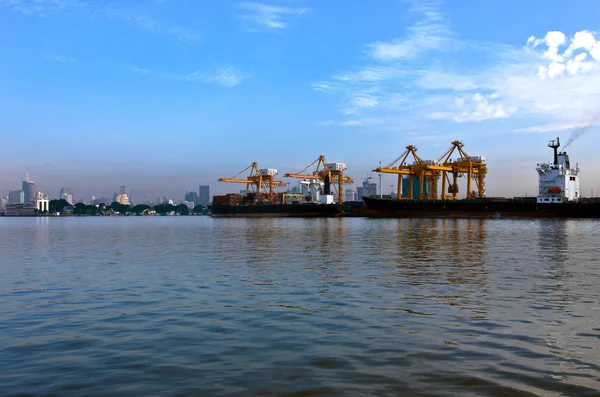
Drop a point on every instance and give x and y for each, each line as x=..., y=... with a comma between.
x=558, y=182
x=314, y=191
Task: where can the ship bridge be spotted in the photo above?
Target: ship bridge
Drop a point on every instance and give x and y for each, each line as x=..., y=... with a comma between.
x=558, y=182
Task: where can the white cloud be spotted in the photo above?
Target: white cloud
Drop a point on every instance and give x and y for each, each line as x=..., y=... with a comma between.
x=573, y=60
x=270, y=16
x=227, y=76
x=81, y=9
x=321, y=87
x=477, y=107
x=370, y=73
x=42, y=7
x=365, y=101
x=556, y=69
x=363, y=121
x=551, y=83
x=428, y=33
x=550, y=127
x=60, y=58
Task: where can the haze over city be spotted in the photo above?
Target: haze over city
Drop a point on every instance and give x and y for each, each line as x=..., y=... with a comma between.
x=163, y=96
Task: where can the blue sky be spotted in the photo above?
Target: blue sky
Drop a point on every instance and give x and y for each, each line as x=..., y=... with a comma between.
x=165, y=95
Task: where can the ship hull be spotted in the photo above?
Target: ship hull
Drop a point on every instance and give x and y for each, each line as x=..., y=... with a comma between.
x=276, y=210
x=477, y=208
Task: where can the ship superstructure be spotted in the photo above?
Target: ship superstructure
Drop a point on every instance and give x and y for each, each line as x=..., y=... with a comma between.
x=558, y=182
x=316, y=191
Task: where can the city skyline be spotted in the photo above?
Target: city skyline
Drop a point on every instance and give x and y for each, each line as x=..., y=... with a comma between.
x=202, y=196
x=163, y=96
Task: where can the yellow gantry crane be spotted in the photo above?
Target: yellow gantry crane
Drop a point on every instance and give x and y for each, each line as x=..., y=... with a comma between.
x=473, y=167
x=401, y=167
x=334, y=172
x=259, y=180
x=428, y=173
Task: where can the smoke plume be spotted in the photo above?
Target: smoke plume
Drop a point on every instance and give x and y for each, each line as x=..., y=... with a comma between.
x=577, y=132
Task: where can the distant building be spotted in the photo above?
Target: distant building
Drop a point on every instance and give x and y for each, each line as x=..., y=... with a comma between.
x=29, y=190
x=204, y=195
x=124, y=190
x=66, y=193
x=368, y=189
x=350, y=195
x=192, y=197
x=122, y=199
x=22, y=209
x=42, y=205
x=101, y=200
x=3, y=203
x=189, y=204
x=16, y=197
x=40, y=196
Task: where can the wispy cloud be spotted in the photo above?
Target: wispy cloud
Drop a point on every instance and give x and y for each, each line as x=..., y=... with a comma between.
x=549, y=84
x=227, y=76
x=321, y=87
x=550, y=127
x=93, y=10
x=475, y=107
x=43, y=7
x=429, y=33
x=60, y=58
x=270, y=16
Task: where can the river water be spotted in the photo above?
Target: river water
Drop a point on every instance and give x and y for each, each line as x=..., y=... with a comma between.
x=195, y=306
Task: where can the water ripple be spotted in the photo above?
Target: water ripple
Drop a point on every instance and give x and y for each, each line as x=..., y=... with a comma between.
x=180, y=306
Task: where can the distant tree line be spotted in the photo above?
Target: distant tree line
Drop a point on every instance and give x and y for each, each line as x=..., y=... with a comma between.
x=63, y=206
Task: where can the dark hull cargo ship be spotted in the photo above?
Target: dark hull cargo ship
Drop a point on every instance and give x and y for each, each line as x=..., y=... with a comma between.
x=558, y=197
x=276, y=210
x=479, y=208
x=285, y=205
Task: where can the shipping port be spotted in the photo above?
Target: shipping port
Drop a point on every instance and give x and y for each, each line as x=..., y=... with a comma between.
x=426, y=188
x=321, y=194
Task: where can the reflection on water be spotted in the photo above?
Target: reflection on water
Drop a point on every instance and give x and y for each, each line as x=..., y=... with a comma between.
x=298, y=307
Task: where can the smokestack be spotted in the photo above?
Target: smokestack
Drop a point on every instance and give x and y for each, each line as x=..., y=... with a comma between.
x=554, y=145
x=327, y=186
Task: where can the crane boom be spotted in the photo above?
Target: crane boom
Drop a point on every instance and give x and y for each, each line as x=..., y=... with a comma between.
x=322, y=171
x=262, y=182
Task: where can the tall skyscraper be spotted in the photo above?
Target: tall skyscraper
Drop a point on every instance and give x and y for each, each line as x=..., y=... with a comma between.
x=29, y=191
x=122, y=199
x=66, y=193
x=204, y=195
x=192, y=197
x=124, y=190
x=16, y=197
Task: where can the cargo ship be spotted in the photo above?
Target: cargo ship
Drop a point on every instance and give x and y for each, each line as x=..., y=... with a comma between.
x=315, y=201
x=558, y=197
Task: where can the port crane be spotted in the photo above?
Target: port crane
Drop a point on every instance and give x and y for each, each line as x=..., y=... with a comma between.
x=259, y=180
x=429, y=172
x=331, y=172
x=474, y=167
x=400, y=167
